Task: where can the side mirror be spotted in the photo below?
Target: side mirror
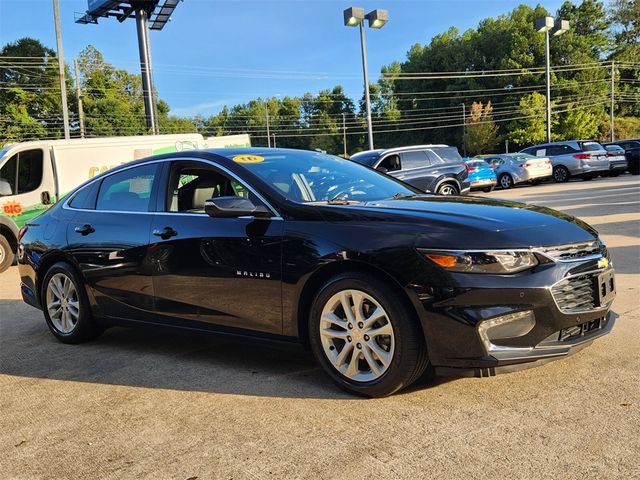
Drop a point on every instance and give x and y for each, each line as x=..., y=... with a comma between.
x=234, y=207
x=382, y=169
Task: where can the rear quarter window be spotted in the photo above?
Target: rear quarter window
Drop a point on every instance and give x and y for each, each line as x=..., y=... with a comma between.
x=591, y=146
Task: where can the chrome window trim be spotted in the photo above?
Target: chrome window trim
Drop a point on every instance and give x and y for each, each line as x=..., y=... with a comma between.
x=66, y=205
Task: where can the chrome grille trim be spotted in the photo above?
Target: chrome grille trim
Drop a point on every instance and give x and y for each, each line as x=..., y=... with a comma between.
x=577, y=293
x=575, y=251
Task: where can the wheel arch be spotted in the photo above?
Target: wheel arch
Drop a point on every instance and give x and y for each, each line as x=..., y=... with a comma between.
x=320, y=276
x=447, y=180
x=47, y=262
x=10, y=235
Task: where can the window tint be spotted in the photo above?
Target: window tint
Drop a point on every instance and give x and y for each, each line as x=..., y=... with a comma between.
x=590, y=146
x=127, y=191
x=554, y=150
x=530, y=151
x=414, y=159
x=191, y=185
x=22, y=173
x=85, y=198
x=448, y=154
x=391, y=163
x=433, y=158
x=8, y=177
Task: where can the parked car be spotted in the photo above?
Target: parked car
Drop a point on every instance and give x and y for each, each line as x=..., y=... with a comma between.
x=378, y=278
x=431, y=168
x=585, y=159
x=617, y=159
x=632, y=152
x=481, y=175
x=514, y=168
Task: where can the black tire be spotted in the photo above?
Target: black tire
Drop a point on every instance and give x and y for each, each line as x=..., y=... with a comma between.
x=488, y=189
x=505, y=181
x=409, y=359
x=6, y=254
x=448, y=189
x=86, y=328
x=561, y=174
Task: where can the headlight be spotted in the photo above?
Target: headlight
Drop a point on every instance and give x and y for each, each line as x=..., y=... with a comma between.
x=496, y=262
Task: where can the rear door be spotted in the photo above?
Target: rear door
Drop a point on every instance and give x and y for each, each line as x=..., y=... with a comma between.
x=109, y=238
x=223, y=271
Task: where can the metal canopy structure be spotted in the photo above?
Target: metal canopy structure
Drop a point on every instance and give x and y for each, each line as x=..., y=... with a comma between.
x=156, y=12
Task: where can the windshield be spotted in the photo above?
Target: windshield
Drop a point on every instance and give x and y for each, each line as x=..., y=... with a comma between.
x=3, y=151
x=308, y=177
x=522, y=156
x=448, y=154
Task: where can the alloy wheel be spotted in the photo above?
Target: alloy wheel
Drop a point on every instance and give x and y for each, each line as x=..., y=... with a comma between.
x=447, y=190
x=506, y=181
x=63, y=303
x=560, y=175
x=356, y=335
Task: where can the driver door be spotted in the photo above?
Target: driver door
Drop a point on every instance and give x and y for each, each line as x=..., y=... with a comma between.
x=223, y=271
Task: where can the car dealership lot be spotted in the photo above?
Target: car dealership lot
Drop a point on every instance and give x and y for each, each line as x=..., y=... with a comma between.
x=160, y=404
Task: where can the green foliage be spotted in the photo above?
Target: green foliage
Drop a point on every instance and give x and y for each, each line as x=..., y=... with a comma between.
x=530, y=126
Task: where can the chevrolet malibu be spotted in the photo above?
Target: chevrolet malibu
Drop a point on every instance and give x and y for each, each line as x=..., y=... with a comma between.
x=377, y=278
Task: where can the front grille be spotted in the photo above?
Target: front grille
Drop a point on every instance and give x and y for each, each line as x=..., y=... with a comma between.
x=575, y=294
x=575, y=251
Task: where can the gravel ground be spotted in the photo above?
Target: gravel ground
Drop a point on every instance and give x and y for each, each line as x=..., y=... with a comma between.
x=160, y=404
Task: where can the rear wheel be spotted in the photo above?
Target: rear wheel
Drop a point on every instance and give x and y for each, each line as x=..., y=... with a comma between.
x=488, y=189
x=561, y=174
x=6, y=254
x=66, y=307
x=506, y=181
x=365, y=336
x=447, y=189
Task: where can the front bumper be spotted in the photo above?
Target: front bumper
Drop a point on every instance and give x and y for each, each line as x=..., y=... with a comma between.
x=452, y=316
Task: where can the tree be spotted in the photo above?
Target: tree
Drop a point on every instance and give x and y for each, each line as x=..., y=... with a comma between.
x=531, y=126
x=482, y=132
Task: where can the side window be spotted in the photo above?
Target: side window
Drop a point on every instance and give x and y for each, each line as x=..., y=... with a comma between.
x=543, y=152
x=433, y=158
x=192, y=184
x=391, y=163
x=414, y=159
x=85, y=198
x=127, y=191
x=22, y=173
x=8, y=177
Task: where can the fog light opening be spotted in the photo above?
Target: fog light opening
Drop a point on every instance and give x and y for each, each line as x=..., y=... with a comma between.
x=505, y=326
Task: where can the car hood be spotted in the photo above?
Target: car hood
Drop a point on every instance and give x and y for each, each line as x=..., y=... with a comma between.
x=463, y=222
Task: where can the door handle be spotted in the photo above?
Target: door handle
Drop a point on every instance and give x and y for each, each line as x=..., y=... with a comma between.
x=165, y=233
x=84, y=229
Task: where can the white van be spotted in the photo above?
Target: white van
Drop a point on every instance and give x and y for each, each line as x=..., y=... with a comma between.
x=34, y=175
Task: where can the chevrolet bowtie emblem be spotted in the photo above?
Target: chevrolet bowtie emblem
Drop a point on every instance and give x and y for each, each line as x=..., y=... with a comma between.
x=603, y=263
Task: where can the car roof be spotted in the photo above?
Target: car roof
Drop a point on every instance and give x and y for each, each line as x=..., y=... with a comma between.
x=382, y=151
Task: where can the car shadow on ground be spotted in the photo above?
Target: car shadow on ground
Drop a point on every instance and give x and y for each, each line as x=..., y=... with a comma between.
x=154, y=357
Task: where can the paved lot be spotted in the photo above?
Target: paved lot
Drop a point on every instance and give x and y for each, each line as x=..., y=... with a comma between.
x=143, y=404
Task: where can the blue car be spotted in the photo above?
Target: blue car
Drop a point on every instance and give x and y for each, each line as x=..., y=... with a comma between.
x=481, y=175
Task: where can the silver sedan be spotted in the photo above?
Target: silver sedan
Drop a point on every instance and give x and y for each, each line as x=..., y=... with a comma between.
x=514, y=168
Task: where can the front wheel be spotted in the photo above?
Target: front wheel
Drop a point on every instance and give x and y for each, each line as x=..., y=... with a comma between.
x=365, y=336
x=6, y=254
x=66, y=306
x=488, y=189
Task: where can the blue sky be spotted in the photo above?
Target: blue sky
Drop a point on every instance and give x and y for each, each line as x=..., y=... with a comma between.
x=217, y=52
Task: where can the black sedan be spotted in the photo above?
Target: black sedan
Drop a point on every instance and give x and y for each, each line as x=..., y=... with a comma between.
x=379, y=279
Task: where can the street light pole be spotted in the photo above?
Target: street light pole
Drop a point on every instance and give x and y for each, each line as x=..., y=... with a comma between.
x=344, y=134
x=367, y=99
x=550, y=27
x=377, y=19
x=79, y=95
x=63, y=86
x=266, y=110
x=145, y=68
x=613, y=75
x=547, y=74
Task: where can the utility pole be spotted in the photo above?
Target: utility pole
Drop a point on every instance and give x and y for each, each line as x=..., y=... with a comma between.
x=63, y=86
x=464, y=129
x=344, y=134
x=266, y=110
x=274, y=140
x=613, y=75
x=145, y=69
x=79, y=95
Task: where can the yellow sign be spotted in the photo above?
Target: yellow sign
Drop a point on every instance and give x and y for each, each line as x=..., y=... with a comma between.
x=248, y=159
x=603, y=263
